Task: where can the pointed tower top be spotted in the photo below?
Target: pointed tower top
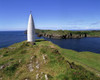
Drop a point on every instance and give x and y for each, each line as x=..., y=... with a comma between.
x=30, y=12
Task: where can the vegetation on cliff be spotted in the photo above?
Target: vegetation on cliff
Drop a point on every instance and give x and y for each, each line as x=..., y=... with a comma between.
x=47, y=61
x=63, y=34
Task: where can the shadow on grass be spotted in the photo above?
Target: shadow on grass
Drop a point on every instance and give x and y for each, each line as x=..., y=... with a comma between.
x=40, y=40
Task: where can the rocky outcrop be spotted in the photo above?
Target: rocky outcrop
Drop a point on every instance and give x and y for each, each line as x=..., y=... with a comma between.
x=61, y=34
x=66, y=36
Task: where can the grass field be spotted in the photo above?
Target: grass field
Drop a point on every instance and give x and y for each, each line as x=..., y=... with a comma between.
x=45, y=60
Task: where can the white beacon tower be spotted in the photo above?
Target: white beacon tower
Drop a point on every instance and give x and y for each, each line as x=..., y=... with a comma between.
x=31, y=30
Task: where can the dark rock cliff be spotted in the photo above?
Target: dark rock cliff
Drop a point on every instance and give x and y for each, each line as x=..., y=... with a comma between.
x=66, y=36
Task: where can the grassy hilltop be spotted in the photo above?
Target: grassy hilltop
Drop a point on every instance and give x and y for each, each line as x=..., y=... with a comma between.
x=47, y=61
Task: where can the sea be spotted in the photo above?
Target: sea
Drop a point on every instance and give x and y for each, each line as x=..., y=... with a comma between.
x=8, y=38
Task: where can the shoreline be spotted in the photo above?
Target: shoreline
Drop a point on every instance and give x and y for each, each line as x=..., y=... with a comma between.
x=65, y=34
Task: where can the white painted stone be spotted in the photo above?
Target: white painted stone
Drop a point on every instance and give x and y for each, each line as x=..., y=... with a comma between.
x=31, y=30
x=44, y=58
x=37, y=76
x=37, y=66
x=20, y=60
x=46, y=77
x=30, y=67
x=32, y=57
x=1, y=67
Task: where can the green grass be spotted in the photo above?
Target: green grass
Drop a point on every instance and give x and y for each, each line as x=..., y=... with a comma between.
x=89, y=60
x=61, y=64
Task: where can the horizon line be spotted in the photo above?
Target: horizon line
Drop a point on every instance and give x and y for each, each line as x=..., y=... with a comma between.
x=57, y=29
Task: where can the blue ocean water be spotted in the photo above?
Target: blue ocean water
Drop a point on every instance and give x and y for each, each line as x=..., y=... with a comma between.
x=8, y=38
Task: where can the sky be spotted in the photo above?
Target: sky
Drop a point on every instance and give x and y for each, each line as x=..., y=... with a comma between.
x=50, y=14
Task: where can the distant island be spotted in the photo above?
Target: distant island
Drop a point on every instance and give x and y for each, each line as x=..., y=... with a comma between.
x=66, y=34
x=47, y=61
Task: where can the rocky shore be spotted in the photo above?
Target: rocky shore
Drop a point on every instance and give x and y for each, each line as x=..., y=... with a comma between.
x=67, y=36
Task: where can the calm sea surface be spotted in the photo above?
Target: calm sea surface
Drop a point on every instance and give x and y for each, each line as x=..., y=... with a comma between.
x=8, y=38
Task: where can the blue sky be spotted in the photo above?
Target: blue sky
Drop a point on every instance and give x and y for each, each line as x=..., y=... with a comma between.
x=50, y=14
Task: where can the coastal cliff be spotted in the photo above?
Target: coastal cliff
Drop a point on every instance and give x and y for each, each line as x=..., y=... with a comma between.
x=65, y=34
x=47, y=61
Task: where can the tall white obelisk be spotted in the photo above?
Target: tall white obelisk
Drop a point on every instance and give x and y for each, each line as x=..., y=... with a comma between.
x=31, y=30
